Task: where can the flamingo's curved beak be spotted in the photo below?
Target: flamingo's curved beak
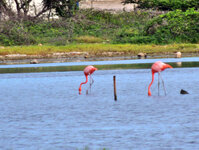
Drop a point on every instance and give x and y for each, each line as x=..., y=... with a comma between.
x=80, y=89
x=149, y=93
x=167, y=66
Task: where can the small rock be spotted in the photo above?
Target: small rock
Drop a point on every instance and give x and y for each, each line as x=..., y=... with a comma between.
x=34, y=61
x=142, y=55
x=183, y=92
x=86, y=56
x=178, y=55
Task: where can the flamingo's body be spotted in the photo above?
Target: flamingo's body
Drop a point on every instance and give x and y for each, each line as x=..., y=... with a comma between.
x=157, y=67
x=87, y=71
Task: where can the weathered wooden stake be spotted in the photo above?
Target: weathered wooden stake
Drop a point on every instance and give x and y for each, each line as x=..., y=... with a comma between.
x=115, y=94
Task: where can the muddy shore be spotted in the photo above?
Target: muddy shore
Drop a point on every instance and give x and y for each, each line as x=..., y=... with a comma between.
x=80, y=56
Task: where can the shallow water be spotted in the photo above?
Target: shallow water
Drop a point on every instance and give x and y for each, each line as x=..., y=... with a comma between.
x=44, y=111
x=110, y=62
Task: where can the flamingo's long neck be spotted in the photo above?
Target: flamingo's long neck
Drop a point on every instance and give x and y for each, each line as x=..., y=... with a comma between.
x=149, y=92
x=80, y=87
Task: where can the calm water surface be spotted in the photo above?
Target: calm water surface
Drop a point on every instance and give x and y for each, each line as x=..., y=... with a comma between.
x=44, y=111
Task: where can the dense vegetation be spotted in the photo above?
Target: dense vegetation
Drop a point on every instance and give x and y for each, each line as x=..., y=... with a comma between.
x=86, y=26
x=165, y=4
x=89, y=26
x=175, y=26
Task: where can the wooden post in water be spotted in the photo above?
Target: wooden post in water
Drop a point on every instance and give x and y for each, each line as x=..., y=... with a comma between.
x=114, y=84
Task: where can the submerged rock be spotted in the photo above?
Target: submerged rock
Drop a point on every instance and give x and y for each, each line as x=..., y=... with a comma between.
x=183, y=92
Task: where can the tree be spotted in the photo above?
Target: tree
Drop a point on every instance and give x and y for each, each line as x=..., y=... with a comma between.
x=5, y=9
x=26, y=9
x=63, y=8
x=165, y=4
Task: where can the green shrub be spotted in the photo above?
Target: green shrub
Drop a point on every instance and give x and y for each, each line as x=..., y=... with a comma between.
x=14, y=33
x=142, y=40
x=166, y=4
x=135, y=39
x=125, y=35
x=175, y=26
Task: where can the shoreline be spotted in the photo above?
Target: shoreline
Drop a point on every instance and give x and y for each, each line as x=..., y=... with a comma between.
x=79, y=57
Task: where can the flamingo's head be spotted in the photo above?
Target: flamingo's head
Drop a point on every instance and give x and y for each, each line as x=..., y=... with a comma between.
x=149, y=93
x=80, y=89
x=166, y=66
x=93, y=70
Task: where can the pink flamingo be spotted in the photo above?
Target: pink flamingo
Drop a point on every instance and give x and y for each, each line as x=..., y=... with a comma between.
x=158, y=67
x=87, y=71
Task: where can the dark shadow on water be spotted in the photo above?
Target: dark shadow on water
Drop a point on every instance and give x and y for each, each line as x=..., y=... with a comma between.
x=100, y=67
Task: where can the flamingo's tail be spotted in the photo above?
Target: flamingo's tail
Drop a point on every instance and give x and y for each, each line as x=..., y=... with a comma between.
x=80, y=87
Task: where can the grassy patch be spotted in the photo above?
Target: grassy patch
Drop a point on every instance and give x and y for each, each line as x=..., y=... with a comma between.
x=88, y=39
x=98, y=49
